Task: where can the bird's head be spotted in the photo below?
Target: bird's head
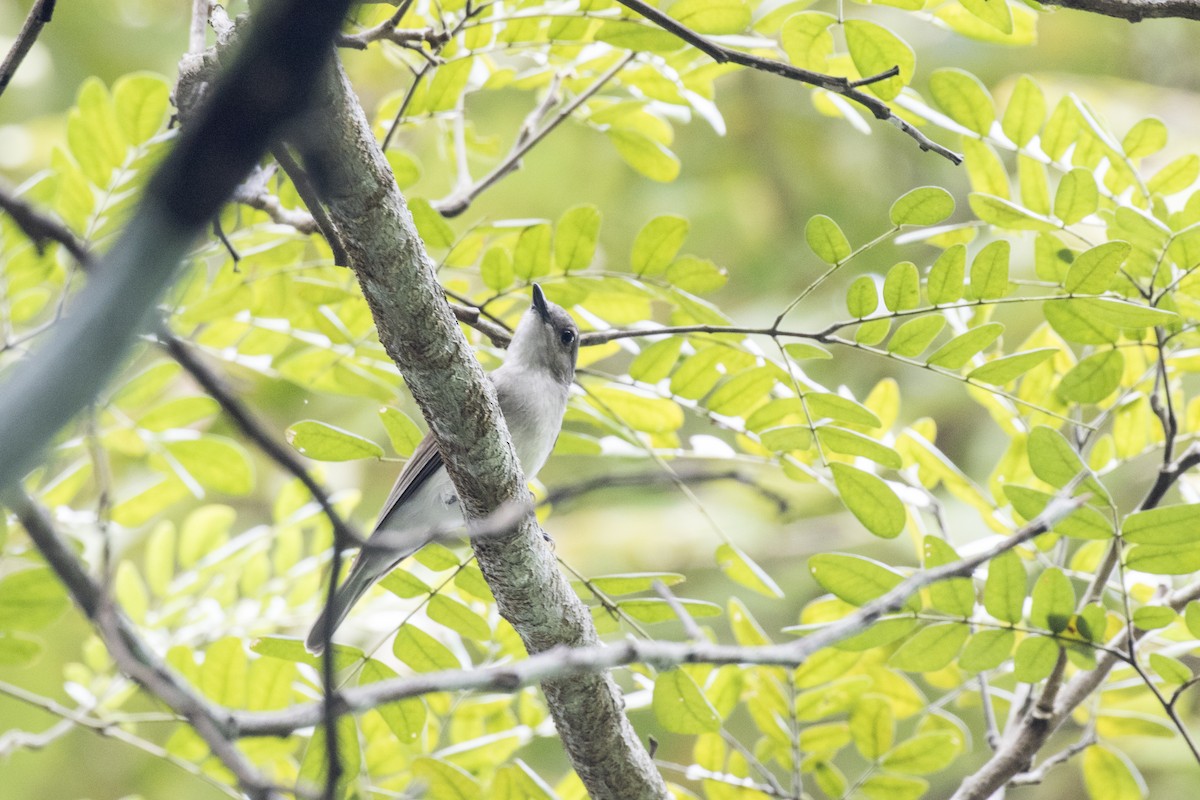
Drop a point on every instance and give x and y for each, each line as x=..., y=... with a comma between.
x=546, y=339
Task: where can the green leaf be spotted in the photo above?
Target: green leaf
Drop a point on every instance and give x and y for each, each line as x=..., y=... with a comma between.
x=646, y=155
x=741, y=392
x=1035, y=659
x=1025, y=112
x=1124, y=314
x=963, y=98
x=855, y=579
x=496, y=269
x=1083, y=523
x=1145, y=138
x=30, y=599
x=314, y=767
x=405, y=718
x=1007, y=214
x=1108, y=776
x=931, y=648
x=404, y=584
x=654, y=610
x=293, y=650
x=989, y=271
x=223, y=675
x=401, y=430
x=680, y=705
x=955, y=353
x=1071, y=320
x=1191, y=618
x=1164, y=559
x=696, y=275
x=531, y=256
x=800, y=351
x=575, y=238
x=642, y=412
x=657, y=244
x=458, y=618
x=1052, y=459
x=656, y=360
x=743, y=569
x=902, y=287
x=807, y=41
x=712, y=16
x=926, y=205
x=955, y=596
x=1008, y=368
x=1171, y=669
x=141, y=101
x=1150, y=618
x=945, y=282
x=216, y=463
x=1093, y=270
x=444, y=781
x=1076, y=196
x=633, y=582
x=862, y=298
x=447, y=85
x=826, y=240
x=995, y=13
x=1176, y=176
x=1004, y=589
x=434, y=229
x=637, y=35
x=822, y=405
x=323, y=442
x=872, y=727
x=422, y=652
x=1053, y=601
x=870, y=500
x=924, y=753
x=893, y=787
x=849, y=443
x=787, y=438
x=913, y=337
x=1164, y=525
x=18, y=650
x=1094, y=378
x=875, y=49
x=987, y=650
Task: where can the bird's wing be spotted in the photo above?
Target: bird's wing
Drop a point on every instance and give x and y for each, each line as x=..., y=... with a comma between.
x=424, y=462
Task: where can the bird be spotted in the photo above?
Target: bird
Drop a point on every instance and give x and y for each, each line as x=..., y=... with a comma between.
x=532, y=386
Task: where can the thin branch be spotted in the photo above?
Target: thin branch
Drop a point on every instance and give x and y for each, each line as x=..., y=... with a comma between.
x=253, y=192
x=686, y=619
x=572, y=491
x=133, y=656
x=459, y=201
x=830, y=83
x=38, y=17
x=1038, y=774
x=562, y=661
x=42, y=228
x=256, y=431
x=199, y=26
x=312, y=201
x=1134, y=10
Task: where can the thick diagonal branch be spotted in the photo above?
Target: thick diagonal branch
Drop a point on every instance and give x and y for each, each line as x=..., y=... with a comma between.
x=421, y=334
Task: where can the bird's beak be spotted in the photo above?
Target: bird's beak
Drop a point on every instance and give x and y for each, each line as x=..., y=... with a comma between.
x=539, y=303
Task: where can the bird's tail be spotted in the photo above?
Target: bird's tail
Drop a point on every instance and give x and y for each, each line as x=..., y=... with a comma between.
x=362, y=576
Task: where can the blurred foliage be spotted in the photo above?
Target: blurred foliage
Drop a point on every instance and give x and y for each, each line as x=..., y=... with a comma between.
x=892, y=346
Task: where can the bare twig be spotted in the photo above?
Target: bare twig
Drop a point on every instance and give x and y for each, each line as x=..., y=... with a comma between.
x=1038, y=774
x=38, y=17
x=253, y=192
x=199, y=26
x=689, y=623
x=461, y=200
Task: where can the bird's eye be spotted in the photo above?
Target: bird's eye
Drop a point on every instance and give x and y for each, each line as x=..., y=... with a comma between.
x=567, y=336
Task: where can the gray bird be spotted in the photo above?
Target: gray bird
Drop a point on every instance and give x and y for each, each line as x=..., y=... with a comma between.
x=532, y=387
